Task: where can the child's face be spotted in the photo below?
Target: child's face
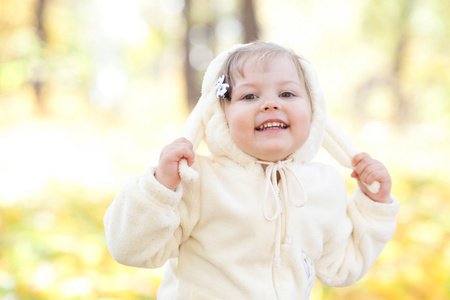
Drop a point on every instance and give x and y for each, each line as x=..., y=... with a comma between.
x=269, y=114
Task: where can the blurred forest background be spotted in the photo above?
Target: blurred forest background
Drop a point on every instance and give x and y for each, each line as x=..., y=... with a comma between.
x=91, y=90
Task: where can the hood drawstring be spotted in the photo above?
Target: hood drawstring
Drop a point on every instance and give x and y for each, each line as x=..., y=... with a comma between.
x=280, y=213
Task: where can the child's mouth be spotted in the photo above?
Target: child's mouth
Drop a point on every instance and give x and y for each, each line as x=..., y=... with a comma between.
x=271, y=125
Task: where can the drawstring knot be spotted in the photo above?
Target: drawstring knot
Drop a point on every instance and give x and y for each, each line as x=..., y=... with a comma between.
x=280, y=212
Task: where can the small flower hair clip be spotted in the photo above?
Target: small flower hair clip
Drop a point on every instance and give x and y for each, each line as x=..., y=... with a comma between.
x=221, y=87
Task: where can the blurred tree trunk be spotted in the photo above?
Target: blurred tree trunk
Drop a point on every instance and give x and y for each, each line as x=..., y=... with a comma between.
x=392, y=77
x=40, y=10
x=403, y=39
x=192, y=88
x=248, y=20
x=37, y=77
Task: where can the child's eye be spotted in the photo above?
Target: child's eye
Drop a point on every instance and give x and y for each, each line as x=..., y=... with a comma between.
x=249, y=97
x=286, y=95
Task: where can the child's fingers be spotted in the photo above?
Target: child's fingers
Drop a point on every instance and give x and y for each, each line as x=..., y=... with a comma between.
x=361, y=162
x=179, y=149
x=167, y=171
x=358, y=157
x=188, y=154
x=188, y=150
x=372, y=177
x=367, y=169
x=372, y=172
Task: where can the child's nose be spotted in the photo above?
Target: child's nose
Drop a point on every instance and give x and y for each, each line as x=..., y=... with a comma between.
x=270, y=104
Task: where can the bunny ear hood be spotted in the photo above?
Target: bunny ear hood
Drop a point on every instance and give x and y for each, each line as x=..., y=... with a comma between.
x=207, y=120
x=208, y=105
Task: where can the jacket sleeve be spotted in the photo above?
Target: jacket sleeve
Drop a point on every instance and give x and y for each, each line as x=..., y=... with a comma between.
x=357, y=241
x=146, y=222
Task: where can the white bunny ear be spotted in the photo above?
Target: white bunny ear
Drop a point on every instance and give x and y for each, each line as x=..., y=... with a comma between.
x=186, y=173
x=342, y=149
x=207, y=106
x=338, y=144
x=192, y=131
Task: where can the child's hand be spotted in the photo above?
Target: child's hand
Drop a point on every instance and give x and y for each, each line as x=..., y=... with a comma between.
x=167, y=170
x=369, y=170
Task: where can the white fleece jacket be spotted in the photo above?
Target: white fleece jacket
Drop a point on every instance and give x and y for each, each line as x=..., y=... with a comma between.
x=222, y=247
x=228, y=236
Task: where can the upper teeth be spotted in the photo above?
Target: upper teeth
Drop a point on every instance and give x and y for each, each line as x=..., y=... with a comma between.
x=272, y=124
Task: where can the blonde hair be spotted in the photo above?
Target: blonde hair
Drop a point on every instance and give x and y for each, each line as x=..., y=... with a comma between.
x=262, y=52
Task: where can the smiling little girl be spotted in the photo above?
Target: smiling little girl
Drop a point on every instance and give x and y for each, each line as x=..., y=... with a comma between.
x=256, y=219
